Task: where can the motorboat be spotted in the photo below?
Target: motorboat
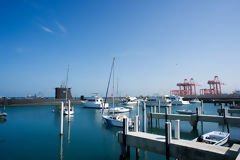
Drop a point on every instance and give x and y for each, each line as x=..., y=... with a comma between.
x=130, y=101
x=94, y=102
x=116, y=120
x=128, y=106
x=118, y=110
x=215, y=138
x=185, y=111
x=165, y=101
x=178, y=100
x=195, y=101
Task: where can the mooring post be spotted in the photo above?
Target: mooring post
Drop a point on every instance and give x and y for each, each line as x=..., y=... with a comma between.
x=144, y=117
x=167, y=138
x=177, y=129
x=159, y=104
x=222, y=110
x=61, y=127
x=138, y=108
x=151, y=119
x=202, y=112
x=123, y=145
x=69, y=106
x=136, y=124
x=233, y=103
x=199, y=111
x=166, y=114
x=170, y=109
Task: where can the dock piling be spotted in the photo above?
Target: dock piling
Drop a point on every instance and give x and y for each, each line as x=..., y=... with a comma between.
x=61, y=127
x=159, y=104
x=69, y=105
x=177, y=129
x=167, y=138
x=123, y=145
x=138, y=108
x=144, y=117
x=202, y=112
x=136, y=124
x=166, y=113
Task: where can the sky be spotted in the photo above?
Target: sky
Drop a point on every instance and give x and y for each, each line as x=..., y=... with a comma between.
x=157, y=44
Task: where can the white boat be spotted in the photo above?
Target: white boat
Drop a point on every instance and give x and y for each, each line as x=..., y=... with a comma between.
x=185, y=111
x=113, y=119
x=178, y=100
x=130, y=101
x=165, y=101
x=129, y=107
x=118, y=110
x=195, y=101
x=116, y=120
x=3, y=114
x=214, y=138
x=94, y=102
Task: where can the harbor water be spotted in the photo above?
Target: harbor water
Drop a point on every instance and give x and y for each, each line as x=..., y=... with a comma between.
x=33, y=132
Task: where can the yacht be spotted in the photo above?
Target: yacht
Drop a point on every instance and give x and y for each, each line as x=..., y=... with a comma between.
x=130, y=101
x=195, y=101
x=178, y=100
x=94, y=102
x=118, y=110
x=165, y=101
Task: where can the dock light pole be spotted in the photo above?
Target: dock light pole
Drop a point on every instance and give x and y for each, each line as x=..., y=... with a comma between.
x=61, y=127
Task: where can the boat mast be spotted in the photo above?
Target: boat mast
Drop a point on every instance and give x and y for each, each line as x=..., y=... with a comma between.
x=113, y=91
x=66, y=84
x=108, y=85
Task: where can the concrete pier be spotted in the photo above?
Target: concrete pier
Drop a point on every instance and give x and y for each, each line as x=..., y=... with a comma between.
x=180, y=149
x=193, y=119
x=231, y=111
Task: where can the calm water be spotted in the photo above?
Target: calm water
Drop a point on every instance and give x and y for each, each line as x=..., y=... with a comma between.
x=33, y=133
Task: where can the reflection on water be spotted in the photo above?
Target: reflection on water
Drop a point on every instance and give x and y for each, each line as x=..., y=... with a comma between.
x=61, y=148
x=3, y=120
x=68, y=137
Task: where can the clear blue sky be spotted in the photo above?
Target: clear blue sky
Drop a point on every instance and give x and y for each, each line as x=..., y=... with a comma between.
x=156, y=44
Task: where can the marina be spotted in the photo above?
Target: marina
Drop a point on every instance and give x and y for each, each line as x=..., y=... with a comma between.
x=119, y=80
x=93, y=134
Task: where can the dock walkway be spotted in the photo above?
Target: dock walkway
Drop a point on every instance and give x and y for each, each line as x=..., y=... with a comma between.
x=181, y=149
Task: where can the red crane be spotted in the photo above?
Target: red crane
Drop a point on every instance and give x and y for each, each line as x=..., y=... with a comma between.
x=185, y=88
x=214, y=87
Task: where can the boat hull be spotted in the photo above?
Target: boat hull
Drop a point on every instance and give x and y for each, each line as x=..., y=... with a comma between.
x=93, y=105
x=112, y=122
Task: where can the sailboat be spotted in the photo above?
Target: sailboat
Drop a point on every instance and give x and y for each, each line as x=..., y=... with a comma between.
x=3, y=113
x=113, y=119
x=66, y=108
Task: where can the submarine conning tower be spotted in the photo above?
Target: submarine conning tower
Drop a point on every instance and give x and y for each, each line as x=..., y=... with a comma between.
x=60, y=93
